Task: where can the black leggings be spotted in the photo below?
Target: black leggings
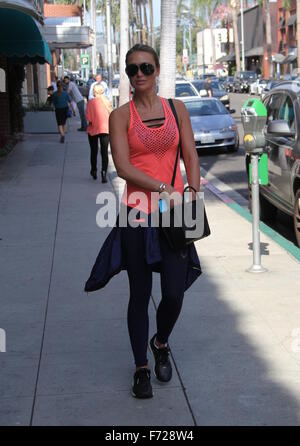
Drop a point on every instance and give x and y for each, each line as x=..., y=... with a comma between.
x=173, y=275
x=104, y=140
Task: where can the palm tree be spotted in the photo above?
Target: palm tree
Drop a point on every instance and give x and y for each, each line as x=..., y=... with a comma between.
x=168, y=48
x=151, y=24
x=208, y=8
x=234, y=5
x=124, y=46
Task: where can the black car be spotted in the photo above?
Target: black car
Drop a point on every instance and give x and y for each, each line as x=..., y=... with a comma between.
x=242, y=80
x=282, y=133
x=218, y=90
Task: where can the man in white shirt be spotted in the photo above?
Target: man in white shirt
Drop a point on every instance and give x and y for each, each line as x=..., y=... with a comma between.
x=99, y=80
x=78, y=98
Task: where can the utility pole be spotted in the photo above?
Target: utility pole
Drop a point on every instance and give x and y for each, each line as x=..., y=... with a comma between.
x=93, y=26
x=203, y=55
x=124, y=47
x=242, y=32
x=109, y=48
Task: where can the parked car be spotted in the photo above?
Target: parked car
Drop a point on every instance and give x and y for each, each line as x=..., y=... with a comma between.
x=82, y=87
x=242, y=81
x=271, y=84
x=184, y=88
x=218, y=90
x=212, y=124
x=282, y=133
x=258, y=86
x=228, y=83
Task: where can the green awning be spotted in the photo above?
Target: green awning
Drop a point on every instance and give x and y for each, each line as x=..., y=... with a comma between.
x=21, y=39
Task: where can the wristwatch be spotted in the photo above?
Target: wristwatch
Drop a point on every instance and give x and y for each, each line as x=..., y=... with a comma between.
x=161, y=188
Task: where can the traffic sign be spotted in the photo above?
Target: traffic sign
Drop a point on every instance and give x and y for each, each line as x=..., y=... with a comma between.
x=85, y=61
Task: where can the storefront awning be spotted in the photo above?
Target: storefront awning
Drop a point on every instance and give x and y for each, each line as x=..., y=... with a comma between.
x=21, y=39
x=290, y=58
x=291, y=20
x=257, y=51
x=228, y=58
x=278, y=58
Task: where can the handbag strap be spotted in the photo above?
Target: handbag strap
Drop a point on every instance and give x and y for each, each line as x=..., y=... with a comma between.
x=179, y=145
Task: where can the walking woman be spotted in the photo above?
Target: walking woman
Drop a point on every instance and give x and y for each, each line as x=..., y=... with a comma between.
x=61, y=101
x=144, y=139
x=97, y=115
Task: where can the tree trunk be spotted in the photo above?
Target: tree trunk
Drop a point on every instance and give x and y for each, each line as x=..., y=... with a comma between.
x=168, y=49
x=236, y=35
x=298, y=34
x=268, y=38
x=124, y=46
x=145, y=27
x=151, y=24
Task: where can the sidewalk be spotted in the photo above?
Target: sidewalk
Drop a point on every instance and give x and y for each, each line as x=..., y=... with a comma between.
x=68, y=361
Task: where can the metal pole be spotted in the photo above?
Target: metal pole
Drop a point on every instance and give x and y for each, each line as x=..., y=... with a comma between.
x=184, y=45
x=256, y=267
x=109, y=47
x=242, y=32
x=203, y=55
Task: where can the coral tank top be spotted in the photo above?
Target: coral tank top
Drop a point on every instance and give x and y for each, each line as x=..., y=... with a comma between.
x=153, y=151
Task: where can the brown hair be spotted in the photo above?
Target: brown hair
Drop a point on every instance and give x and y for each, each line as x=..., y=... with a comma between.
x=146, y=49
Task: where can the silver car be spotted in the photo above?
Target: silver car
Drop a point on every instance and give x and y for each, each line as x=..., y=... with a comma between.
x=212, y=124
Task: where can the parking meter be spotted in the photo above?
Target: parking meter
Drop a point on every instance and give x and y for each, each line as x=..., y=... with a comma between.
x=254, y=119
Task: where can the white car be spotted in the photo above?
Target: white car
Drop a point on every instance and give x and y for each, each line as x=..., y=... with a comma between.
x=258, y=86
x=185, y=89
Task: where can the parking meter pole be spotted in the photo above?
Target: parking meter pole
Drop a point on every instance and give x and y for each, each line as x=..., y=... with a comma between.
x=256, y=266
x=254, y=117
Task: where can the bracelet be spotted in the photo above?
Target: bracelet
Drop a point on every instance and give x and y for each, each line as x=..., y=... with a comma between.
x=162, y=187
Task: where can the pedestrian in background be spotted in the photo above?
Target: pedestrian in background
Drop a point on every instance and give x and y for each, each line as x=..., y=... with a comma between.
x=78, y=98
x=208, y=88
x=99, y=81
x=97, y=115
x=144, y=140
x=61, y=101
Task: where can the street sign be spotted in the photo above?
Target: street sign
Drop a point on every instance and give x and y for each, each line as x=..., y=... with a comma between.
x=85, y=61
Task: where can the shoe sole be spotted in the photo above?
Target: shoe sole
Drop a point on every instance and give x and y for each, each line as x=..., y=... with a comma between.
x=141, y=397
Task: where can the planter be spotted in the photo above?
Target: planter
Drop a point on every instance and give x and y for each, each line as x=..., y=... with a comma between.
x=40, y=122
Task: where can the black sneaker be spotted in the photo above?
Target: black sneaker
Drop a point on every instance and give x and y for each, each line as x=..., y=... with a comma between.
x=162, y=368
x=141, y=384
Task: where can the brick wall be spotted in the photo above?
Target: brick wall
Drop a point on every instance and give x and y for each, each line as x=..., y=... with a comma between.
x=5, y=128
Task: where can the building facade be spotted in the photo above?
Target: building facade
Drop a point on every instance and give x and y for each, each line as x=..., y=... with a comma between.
x=23, y=55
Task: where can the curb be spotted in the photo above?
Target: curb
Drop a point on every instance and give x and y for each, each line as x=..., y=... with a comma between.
x=238, y=206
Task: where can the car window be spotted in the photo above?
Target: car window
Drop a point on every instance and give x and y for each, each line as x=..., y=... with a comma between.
x=205, y=108
x=273, y=107
x=184, y=90
x=287, y=113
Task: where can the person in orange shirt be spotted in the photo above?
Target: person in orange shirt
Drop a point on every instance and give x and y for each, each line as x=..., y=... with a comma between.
x=97, y=115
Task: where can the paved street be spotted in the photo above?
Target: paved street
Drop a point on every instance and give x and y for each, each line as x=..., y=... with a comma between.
x=230, y=168
x=235, y=348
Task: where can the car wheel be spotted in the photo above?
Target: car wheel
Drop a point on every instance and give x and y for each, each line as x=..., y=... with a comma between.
x=297, y=217
x=267, y=210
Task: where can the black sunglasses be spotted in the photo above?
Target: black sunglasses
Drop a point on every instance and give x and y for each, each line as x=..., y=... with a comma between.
x=146, y=68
